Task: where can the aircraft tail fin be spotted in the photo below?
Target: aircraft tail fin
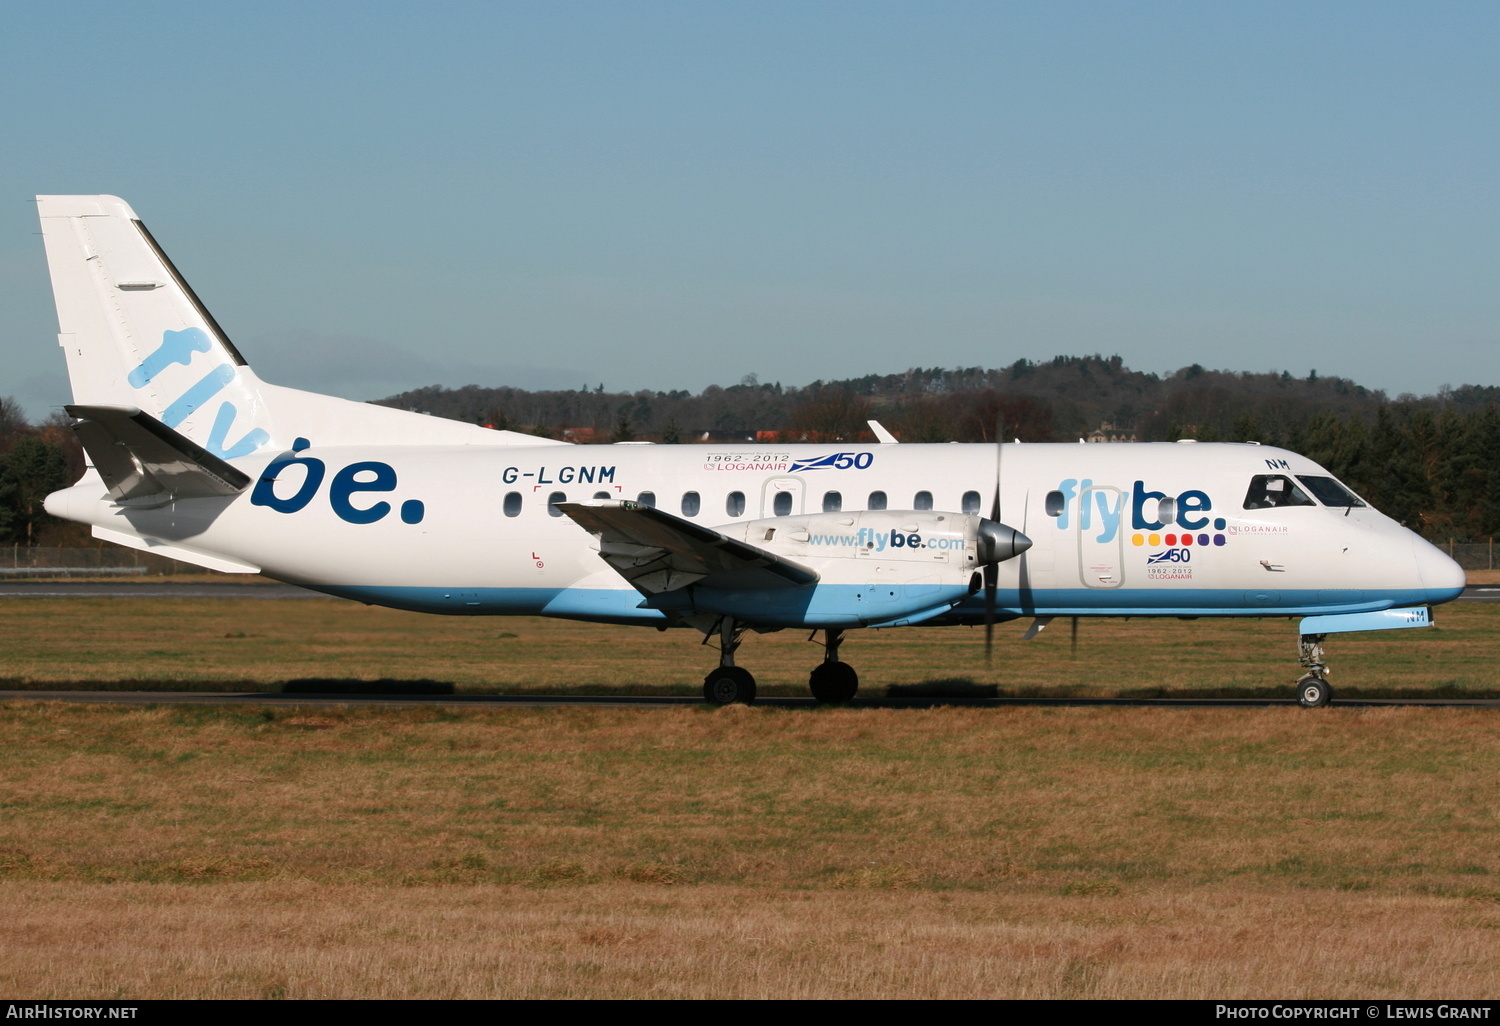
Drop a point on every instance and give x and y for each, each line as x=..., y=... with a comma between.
x=136, y=335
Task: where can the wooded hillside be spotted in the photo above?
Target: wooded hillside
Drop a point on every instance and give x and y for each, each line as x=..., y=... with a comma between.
x=1432, y=462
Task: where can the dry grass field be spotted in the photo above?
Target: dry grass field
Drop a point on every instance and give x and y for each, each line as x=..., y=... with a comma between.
x=260, y=645
x=1030, y=851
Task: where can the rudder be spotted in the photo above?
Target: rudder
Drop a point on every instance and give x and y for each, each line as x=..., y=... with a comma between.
x=135, y=334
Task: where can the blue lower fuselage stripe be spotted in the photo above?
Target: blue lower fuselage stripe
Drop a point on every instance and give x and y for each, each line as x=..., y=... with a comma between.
x=618, y=605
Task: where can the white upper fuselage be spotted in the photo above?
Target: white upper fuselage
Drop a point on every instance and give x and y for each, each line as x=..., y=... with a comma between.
x=467, y=529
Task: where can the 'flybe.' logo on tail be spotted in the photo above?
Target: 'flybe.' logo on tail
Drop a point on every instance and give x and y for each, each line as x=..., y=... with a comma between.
x=178, y=347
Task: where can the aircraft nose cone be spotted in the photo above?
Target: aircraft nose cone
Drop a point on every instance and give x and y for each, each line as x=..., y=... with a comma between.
x=1442, y=578
x=999, y=542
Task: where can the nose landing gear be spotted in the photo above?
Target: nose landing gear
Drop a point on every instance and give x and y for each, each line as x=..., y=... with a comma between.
x=1312, y=690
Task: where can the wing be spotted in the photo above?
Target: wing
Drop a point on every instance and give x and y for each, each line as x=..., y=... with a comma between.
x=144, y=462
x=657, y=552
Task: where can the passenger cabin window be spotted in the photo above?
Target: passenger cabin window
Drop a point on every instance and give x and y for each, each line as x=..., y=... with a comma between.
x=735, y=504
x=553, y=500
x=647, y=499
x=833, y=502
x=690, y=504
x=1166, y=511
x=970, y=502
x=923, y=500
x=1330, y=492
x=1270, y=491
x=1054, y=504
x=601, y=495
x=877, y=500
x=782, y=504
x=512, y=505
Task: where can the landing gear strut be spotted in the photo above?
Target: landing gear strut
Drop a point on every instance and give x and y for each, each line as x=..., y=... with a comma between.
x=831, y=680
x=1312, y=689
x=729, y=683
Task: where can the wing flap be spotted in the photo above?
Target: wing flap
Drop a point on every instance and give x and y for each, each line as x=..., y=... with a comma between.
x=144, y=462
x=657, y=552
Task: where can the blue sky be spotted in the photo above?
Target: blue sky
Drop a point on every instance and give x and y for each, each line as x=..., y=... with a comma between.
x=375, y=196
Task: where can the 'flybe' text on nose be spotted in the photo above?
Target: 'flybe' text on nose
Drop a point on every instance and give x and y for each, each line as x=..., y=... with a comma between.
x=1086, y=505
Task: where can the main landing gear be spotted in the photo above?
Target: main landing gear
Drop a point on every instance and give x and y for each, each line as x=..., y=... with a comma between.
x=831, y=681
x=1312, y=689
x=729, y=684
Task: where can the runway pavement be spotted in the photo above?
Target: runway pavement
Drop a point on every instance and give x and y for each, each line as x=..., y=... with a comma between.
x=143, y=589
x=279, y=700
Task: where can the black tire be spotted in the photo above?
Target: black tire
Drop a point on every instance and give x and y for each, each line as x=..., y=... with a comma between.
x=1313, y=692
x=833, y=682
x=729, y=685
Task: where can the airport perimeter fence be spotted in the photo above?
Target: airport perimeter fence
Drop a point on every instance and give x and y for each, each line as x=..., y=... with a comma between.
x=89, y=561
x=1473, y=555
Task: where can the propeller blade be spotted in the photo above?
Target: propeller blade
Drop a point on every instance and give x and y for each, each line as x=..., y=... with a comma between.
x=995, y=501
x=992, y=568
x=991, y=574
x=1073, y=652
x=1023, y=578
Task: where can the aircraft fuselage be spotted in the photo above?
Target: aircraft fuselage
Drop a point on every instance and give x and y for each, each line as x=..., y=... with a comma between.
x=475, y=530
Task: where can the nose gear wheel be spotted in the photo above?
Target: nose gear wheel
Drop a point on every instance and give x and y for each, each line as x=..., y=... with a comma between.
x=1313, y=692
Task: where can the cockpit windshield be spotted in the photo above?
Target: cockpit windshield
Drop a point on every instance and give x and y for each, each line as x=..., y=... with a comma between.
x=1330, y=492
x=1269, y=491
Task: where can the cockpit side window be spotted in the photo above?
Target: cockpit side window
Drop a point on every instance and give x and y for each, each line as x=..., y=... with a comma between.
x=1269, y=491
x=1330, y=492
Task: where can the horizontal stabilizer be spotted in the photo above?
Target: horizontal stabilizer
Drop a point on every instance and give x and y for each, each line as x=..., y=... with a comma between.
x=657, y=552
x=143, y=462
x=181, y=553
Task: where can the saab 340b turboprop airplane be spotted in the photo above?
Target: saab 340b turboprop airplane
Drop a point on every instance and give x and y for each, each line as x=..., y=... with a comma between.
x=194, y=457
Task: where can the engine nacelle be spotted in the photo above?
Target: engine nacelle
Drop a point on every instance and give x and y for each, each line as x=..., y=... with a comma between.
x=928, y=537
x=874, y=567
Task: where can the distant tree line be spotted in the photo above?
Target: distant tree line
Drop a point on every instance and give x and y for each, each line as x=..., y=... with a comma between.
x=33, y=462
x=1435, y=468
x=1059, y=400
x=1432, y=462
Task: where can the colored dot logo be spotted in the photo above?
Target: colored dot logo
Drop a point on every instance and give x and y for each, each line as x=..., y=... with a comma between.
x=1173, y=540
